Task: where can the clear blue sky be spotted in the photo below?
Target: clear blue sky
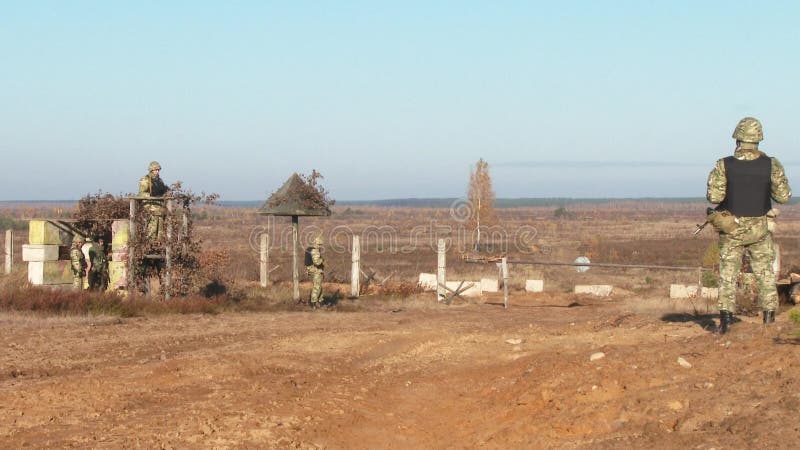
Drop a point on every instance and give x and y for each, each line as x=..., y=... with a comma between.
x=391, y=99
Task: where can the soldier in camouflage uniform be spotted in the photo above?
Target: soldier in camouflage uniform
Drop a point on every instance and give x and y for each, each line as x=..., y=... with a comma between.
x=98, y=270
x=151, y=185
x=78, y=262
x=743, y=185
x=315, y=266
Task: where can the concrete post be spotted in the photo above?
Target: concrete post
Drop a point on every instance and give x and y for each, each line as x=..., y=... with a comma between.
x=355, y=271
x=264, y=259
x=441, y=292
x=504, y=268
x=9, y=251
x=295, y=270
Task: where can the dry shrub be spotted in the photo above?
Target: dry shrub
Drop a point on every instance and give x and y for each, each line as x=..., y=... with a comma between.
x=399, y=288
x=96, y=212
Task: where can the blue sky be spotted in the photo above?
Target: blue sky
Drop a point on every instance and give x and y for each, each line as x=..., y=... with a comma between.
x=391, y=99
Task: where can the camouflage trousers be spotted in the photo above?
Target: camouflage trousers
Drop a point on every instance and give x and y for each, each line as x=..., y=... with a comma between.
x=155, y=227
x=753, y=236
x=155, y=221
x=317, y=276
x=77, y=282
x=98, y=280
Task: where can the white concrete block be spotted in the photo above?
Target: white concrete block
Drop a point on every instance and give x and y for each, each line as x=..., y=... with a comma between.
x=709, y=292
x=682, y=291
x=471, y=288
x=39, y=252
x=534, y=285
x=49, y=272
x=427, y=281
x=490, y=285
x=600, y=290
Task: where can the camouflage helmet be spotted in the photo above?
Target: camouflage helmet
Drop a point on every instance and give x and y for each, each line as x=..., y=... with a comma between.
x=154, y=165
x=318, y=240
x=78, y=239
x=748, y=130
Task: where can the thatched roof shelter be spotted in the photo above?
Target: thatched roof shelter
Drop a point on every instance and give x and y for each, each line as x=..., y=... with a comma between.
x=296, y=198
x=299, y=196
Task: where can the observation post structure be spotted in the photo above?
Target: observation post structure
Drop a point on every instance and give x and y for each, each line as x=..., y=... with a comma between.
x=292, y=200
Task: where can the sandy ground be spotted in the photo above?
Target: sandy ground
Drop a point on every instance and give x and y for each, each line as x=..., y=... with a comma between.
x=403, y=375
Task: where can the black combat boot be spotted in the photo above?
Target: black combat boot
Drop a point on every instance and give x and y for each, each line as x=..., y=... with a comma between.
x=725, y=321
x=769, y=317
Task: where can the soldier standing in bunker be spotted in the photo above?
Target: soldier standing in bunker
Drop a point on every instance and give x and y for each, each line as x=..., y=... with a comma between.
x=98, y=269
x=744, y=186
x=315, y=266
x=78, y=263
x=151, y=185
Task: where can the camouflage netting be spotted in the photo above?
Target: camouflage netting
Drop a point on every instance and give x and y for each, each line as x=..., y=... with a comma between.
x=300, y=195
x=96, y=212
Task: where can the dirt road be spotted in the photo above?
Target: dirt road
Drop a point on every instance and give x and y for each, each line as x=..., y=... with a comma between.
x=555, y=371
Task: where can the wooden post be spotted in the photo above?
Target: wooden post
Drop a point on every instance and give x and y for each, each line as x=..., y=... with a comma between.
x=168, y=252
x=184, y=236
x=504, y=268
x=355, y=271
x=295, y=270
x=9, y=251
x=441, y=292
x=132, y=248
x=264, y=259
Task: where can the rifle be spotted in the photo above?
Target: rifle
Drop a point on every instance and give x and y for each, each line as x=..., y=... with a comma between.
x=700, y=227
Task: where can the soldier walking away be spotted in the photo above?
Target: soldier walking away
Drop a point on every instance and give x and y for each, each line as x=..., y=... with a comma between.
x=151, y=185
x=78, y=262
x=744, y=186
x=98, y=266
x=315, y=266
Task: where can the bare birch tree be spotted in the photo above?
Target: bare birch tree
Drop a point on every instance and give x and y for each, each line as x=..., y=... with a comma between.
x=481, y=198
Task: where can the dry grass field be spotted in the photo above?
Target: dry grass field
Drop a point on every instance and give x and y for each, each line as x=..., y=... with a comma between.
x=394, y=368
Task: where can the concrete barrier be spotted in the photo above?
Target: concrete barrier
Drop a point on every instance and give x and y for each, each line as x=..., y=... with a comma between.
x=600, y=290
x=427, y=281
x=691, y=291
x=45, y=233
x=534, y=285
x=40, y=252
x=490, y=285
x=709, y=292
x=682, y=291
x=49, y=272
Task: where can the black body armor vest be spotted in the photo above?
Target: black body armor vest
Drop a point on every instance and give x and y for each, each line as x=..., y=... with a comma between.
x=748, y=186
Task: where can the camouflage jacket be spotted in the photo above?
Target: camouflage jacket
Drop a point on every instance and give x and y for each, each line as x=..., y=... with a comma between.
x=152, y=186
x=78, y=261
x=98, y=258
x=717, y=181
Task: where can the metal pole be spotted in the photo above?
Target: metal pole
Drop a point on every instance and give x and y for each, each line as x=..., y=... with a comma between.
x=132, y=248
x=168, y=252
x=441, y=293
x=264, y=259
x=295, y=270
x=355, y=270
x=9, y=251
x=504, y=268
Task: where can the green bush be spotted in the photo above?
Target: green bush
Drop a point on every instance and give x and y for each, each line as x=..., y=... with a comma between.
x=709, y=279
